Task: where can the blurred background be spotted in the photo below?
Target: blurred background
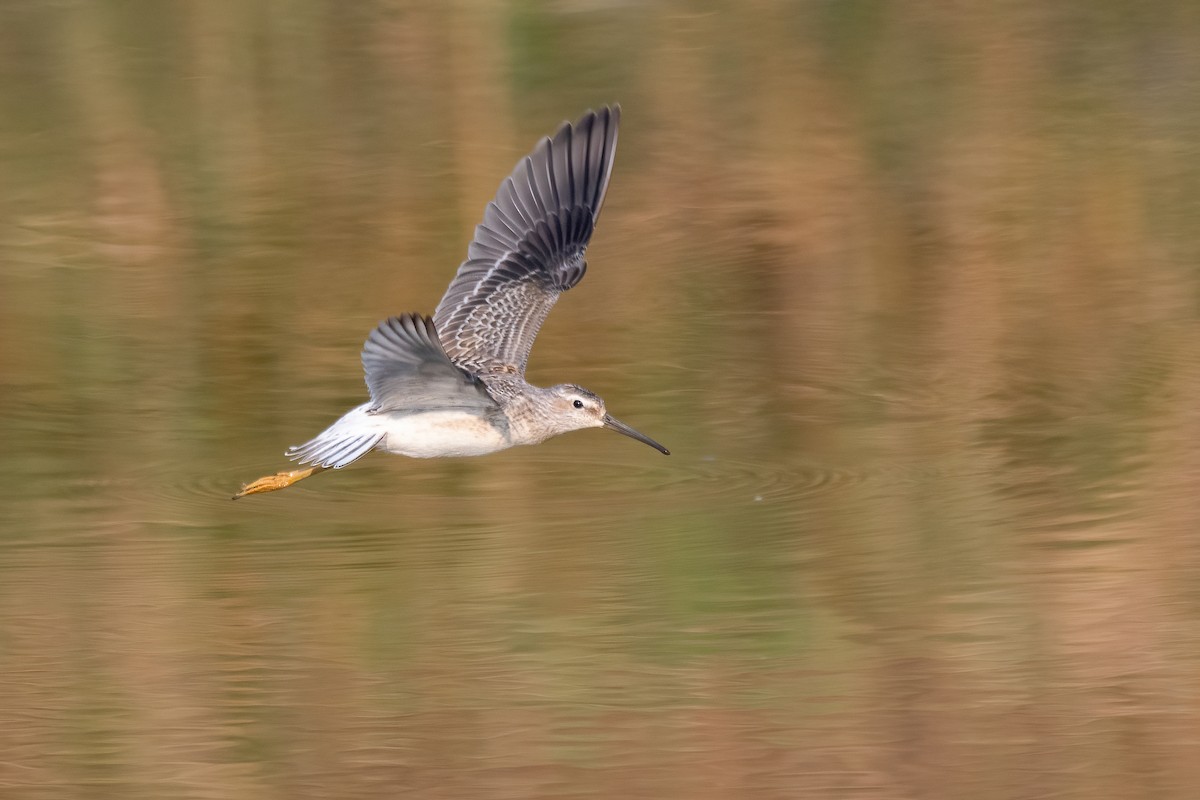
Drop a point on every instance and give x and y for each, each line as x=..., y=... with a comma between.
x=910, y=290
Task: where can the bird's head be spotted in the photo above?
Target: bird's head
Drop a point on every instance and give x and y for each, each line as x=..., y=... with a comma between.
x=574, y=408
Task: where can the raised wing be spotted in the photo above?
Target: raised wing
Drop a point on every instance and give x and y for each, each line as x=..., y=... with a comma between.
x=529, y=248
x=407, y=370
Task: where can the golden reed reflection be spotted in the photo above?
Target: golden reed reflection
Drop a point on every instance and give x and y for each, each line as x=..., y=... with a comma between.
x=915, y=285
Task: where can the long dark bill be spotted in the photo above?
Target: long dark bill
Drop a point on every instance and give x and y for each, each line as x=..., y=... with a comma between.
x=615, y=424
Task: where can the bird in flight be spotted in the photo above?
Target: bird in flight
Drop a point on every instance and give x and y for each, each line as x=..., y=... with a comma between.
x=454, y=384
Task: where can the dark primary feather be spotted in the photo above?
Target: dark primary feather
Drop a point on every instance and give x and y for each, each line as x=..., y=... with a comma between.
x=529, y=248
x=407, y=369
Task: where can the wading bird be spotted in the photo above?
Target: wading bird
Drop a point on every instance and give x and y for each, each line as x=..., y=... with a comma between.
x=454, y=384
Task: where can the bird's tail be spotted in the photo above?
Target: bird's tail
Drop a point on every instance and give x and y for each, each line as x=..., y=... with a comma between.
x=342, y=443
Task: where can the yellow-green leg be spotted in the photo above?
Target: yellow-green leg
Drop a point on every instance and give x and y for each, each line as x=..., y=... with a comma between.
x=280, y=480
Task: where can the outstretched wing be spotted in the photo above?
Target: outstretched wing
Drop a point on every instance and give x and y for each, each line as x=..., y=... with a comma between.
x=529, y=248
x=407, y=370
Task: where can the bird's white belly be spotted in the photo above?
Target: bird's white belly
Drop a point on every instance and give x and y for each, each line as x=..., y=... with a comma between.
x=434, y=434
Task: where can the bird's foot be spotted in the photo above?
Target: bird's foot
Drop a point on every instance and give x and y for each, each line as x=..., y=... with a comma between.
x=273, y=483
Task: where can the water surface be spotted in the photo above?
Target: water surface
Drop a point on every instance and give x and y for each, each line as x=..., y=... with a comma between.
x=910, y=292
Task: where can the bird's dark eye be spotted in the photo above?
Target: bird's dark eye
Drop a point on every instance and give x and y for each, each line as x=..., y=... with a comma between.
x=578, y=404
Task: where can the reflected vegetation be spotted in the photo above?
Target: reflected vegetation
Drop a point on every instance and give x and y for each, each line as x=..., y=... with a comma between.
x=910, y=289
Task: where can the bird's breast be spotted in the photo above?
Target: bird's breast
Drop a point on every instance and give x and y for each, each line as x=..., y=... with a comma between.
x=434, y=434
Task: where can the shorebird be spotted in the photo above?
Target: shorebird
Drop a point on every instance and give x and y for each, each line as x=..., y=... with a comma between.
x=454, y=384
